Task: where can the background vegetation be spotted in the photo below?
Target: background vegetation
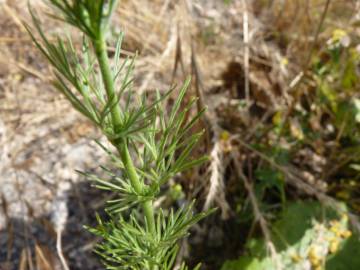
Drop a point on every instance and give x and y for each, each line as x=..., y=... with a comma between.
x=281, y=83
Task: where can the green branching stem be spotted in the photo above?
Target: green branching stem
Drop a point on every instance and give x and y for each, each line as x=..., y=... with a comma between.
x=137, y=185
x=103, y=59
x=122, y=144
x=128, y=243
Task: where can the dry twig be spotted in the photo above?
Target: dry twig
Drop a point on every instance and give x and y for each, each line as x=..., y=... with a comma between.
x=259, y=217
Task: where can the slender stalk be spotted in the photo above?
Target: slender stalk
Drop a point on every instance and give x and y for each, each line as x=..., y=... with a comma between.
x=103, y=59
x=121, y=145
x=134, y=178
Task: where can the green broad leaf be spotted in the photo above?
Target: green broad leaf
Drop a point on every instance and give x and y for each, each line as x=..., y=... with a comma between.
x=348, y=257
x=244, y=263
x=296, y=219
x=305, y=230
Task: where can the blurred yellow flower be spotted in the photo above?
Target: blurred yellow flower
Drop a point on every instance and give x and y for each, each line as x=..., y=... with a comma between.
x=338, y=34
x=346, y=234
x=334, y=246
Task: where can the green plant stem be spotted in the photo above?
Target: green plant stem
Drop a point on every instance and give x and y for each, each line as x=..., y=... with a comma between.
x=121, y=144
x=103, y=59
x=134, y=178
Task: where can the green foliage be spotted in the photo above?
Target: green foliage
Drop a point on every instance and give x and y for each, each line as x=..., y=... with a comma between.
x=270, y=179
x=326, y=119
x=90, y=17
x=142, y=132
x=337, y=80
x=243, y=263
x=348, y=257
x=127, y=245
x=305, y=234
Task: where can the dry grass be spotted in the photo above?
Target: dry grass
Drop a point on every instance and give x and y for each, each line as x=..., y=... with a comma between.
x=42, y=140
